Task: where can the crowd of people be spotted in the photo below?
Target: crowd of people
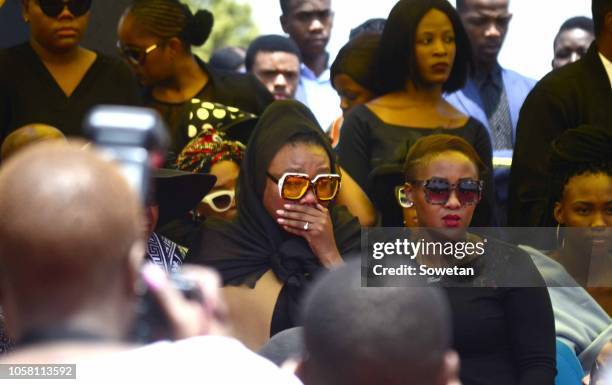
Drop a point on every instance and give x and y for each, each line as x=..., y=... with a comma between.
x=280, y=160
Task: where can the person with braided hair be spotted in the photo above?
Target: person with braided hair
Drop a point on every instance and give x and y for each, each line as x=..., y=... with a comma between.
x=155, y=38
x=580, y=165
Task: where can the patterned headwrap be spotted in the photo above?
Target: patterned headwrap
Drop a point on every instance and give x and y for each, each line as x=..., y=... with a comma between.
x=208, y=148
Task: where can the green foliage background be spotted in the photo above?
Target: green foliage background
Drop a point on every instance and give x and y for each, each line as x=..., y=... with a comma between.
x=233, y=25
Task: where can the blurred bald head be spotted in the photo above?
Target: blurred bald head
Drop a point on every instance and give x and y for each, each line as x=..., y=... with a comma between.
x=70, y=226
x=23, y=136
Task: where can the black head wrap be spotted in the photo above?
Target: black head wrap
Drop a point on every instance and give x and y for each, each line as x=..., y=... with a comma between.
x=243, y=250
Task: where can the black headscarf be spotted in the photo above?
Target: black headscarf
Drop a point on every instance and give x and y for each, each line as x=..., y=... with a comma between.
x=244, y=249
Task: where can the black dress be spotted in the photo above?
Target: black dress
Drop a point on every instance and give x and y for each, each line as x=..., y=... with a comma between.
x=231, y=89
x=366, y=142
x=29, y=94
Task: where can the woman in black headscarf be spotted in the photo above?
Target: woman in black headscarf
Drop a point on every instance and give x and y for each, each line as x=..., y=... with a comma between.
x=275, y=245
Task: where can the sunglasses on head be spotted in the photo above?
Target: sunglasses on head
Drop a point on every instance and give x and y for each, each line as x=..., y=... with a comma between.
x=53, y=8
x=438, y=190
x=293, y=186
x=220, y=201
x=133, y=55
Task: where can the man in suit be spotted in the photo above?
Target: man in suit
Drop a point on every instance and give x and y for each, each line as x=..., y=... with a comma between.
x=493, y=95
x=576, y=94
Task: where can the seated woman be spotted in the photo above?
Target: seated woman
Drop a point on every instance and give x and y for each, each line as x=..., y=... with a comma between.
x=503, y=334
x=211, y=152
x=52, y=79
x=581, y=166
x=424, y=51
x=155, y=37
x=173, y=194
x=287, y=228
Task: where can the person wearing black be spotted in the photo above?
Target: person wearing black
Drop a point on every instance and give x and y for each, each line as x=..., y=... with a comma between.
x=503, y=324
x=284, y=232
x=155, y=37
x=576, y=94
x=412, y=72
x=51, y=79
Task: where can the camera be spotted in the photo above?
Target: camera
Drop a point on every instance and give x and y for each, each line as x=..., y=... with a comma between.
x=136, y=138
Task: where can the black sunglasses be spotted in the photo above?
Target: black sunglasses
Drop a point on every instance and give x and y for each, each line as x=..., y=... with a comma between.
x=438, y=190
x=53, y=8
x=136, y=56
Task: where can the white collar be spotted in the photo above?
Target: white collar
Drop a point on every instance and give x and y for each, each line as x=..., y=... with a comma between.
x=607, y=65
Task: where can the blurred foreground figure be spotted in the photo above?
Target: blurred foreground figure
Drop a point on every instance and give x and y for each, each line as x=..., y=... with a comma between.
x=347, y=345
x=71, y=246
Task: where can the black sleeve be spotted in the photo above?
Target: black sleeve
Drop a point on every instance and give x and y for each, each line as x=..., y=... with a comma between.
x=353, y=149
x=541, y=120
x=532, y=334
x=484, y=214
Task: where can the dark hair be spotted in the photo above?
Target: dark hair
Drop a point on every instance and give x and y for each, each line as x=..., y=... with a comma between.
x=577, y=22
x=368, y=26
x=270, y=43
x=284, y=4
x=600, y=8
x=170, y=18
x=227, y=58
x=461, y=7
x=345, y=343
x=579, y=151
x=396, y=62
x=356, y=59
x=427, y=147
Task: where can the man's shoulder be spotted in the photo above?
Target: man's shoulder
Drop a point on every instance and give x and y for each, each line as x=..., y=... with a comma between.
x=517, y=78
x=213, y=358
x=562, y=82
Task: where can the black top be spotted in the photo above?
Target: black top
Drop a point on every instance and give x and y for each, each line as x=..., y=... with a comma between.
x=503, y=336
x=576, y=94
x=30, y=94
x=232, y=89
x=504, y=332
x=366, y=142
x=253, y=243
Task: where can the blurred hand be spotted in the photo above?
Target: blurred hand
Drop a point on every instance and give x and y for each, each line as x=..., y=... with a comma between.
x=190, y=318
